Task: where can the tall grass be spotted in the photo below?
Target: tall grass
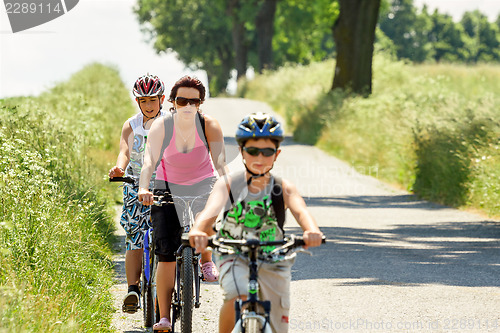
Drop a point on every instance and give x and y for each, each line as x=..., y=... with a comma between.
x=432, y=129
x=56, y=220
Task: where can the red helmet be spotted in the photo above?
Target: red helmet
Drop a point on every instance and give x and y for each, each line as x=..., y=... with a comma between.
x=148, y=85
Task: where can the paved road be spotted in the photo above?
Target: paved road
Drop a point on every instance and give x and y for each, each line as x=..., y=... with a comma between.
x=394, y=263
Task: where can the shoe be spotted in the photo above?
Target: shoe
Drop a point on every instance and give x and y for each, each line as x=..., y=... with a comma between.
x=210, y=272
x=131, y=302
x=163, y=325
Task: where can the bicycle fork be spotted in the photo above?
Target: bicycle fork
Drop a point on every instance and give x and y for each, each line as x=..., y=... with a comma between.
x=253, y=303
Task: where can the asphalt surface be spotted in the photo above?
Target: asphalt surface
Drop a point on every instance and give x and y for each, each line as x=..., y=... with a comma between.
x=392, y=263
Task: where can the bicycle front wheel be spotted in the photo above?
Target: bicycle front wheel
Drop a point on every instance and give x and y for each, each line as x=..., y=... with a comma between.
x=252, y=325
x=187, y=276
x=149, y=299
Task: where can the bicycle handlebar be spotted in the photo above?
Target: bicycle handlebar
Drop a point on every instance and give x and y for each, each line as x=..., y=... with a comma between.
x=288, y=243
x=125, y=179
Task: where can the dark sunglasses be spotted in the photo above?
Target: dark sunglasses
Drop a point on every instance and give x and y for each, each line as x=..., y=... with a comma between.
x=254, y=151
x=183, y=101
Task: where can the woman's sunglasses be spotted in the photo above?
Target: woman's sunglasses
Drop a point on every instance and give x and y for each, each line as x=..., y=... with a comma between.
x=254, y=151
x=183, y=101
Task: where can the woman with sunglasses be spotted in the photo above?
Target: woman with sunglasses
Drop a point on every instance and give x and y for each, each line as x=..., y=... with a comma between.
x=184, y=147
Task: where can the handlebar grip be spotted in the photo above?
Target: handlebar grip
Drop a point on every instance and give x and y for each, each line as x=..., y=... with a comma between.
x=129, y=180
x=299, y=241
x=185, y=239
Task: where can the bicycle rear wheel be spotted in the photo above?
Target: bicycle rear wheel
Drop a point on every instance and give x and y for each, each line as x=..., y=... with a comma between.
x=187, y=290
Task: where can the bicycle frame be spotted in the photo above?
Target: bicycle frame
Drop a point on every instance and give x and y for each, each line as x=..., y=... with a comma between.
x=252, y=303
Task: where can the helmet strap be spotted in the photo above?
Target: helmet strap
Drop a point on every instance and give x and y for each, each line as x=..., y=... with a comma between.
x=254, y=175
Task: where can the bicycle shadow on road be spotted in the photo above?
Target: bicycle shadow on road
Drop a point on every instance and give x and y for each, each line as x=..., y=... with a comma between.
x=447, y=253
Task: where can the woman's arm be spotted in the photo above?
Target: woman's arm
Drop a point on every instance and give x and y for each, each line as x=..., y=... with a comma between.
x=152, y=154
x=297, y=205
x=215, y=139
x=124, y=156
x=202, y=228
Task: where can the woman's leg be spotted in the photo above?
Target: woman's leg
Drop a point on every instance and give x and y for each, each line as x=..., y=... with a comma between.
x=165, y=281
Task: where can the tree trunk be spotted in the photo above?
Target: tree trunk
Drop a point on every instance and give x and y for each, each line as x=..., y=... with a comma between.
x=264, y=23
x=240, y=42
x=354, y=35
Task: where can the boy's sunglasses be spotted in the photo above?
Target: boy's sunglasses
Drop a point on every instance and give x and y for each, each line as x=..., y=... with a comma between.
x=254, y=151
x=183, y=101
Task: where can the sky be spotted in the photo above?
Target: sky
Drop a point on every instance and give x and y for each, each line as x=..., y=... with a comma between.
x=107, y=31
x=456, y=8
x=103, y=31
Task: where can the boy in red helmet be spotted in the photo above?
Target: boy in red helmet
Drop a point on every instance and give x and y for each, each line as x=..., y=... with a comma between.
x=135, y=219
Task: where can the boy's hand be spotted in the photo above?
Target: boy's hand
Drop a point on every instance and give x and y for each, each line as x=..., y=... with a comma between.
x=312, y=238
x=116, y=172
x=198, y=239
x=145, y=196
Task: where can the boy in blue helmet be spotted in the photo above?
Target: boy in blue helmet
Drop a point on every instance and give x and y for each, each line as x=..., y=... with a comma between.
x=255, y=202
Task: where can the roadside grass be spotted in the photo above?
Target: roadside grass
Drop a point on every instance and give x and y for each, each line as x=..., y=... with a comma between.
x=431, y=129
x=56, y=226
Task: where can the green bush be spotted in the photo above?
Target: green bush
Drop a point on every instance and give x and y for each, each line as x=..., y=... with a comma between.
x=432, y=129
x=56, y=208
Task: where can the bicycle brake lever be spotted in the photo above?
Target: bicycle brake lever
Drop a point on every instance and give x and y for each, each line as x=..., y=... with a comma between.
x=302, y=250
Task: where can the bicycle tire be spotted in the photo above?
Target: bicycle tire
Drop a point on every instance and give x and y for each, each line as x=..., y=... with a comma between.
x=148, y=306
x=252, y=325
x=187, y=290
x=149, y=302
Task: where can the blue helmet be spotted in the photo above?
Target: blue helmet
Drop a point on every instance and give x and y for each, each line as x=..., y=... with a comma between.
x=259, y=125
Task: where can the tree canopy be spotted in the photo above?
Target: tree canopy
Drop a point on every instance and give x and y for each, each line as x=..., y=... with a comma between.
x=219, y=36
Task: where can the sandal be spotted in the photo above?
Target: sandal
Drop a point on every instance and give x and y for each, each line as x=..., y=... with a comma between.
x=210, y=272
x=163, y=325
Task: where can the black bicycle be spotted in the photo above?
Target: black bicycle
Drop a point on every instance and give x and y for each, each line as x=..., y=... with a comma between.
x=188, y=276
x=151, y=313
x=253, y=315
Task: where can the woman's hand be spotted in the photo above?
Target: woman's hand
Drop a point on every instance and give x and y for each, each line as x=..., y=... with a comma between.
x=116, y=171
x=145, y=196
x=198, y=239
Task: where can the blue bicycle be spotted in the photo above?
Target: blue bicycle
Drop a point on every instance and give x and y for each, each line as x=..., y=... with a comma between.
x=151, y=313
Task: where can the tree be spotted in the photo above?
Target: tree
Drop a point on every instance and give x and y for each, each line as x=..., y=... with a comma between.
x=240, y=38
x=264, y=23
x=219, y=35
x=303, y=31
x=482, y=37
x=354, y=34
x=447, y=38
x=408, y=30
x=196, y=31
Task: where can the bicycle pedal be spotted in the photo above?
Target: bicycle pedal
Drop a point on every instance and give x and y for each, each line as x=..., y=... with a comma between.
x=130, y=308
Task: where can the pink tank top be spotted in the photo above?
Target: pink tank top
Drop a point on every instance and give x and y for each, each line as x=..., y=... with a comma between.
x=185, y=168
